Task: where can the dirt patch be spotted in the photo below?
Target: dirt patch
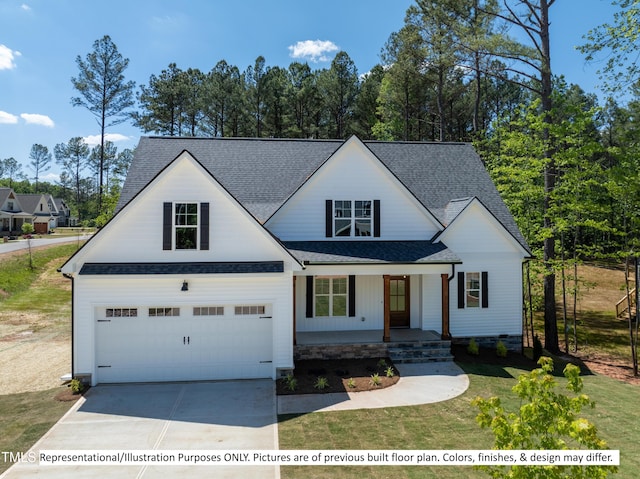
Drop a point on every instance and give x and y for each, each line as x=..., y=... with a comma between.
x=67, y=395
x=345, y=375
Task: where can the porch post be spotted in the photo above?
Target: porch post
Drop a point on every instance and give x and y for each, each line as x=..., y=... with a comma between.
x=446, y=334
x=294, y=311
x=386, y=335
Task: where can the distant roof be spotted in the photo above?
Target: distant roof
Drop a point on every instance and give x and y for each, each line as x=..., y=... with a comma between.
x=4, y=194
x=30, y=202
x=368, y=252
x=263, y=173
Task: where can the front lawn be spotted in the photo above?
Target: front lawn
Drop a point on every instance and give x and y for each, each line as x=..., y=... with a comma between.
x=25, y=417
x=449, y=425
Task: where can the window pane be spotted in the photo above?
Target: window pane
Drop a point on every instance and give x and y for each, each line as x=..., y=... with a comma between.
x=401, y=304
x=393, y=286
x=322, y=305
x=343, y=228
x=339, y=285
x=342, y=209
x=363, y=228
x=473, y=280
x=186, y=238
x=340, y=305
x=401, y=284
x=322, y=285
x=393, y=303
x=363, y=209
x=473, y=299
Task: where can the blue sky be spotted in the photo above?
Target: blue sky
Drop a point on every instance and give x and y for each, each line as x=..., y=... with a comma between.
x=40, y=39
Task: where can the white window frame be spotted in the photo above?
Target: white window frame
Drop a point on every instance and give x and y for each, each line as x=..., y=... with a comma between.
x=121, y=312
x=331, y=295
x=470, y=288
x=249, y=310
x=176, y=226
x=208, y=311
x=163, y=312
x=354, y=220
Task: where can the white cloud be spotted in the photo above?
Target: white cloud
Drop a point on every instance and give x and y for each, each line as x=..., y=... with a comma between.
x=7, y=118
x=25, y=7
x=50, y=177
x=36, y=119
x=6, y=58
x=94, y=140
x=314, y=50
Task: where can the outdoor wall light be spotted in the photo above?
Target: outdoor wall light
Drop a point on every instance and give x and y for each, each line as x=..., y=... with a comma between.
x=185, y=286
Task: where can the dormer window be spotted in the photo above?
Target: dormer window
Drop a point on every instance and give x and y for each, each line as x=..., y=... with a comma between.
x=352, y=218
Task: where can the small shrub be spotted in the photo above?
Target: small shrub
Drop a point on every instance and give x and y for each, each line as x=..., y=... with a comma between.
x=291, y=383
x=375, y=379
x=389, y=372
x=537, y=348
x=76, y=386
x=382, y=363
x=351, y=383
x=321, y=383
x=501, y=350
x=473, y=347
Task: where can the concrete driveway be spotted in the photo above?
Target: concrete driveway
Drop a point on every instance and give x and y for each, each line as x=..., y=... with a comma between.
x=170, y=416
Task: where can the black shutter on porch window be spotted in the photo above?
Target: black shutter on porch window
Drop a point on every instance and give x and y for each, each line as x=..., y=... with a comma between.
x=166, y=225
x=352, y=296
x=204, y=226
x=309, y=310
x=461, y=290
x=485, y=289
x=328, y=206
x=376, y=218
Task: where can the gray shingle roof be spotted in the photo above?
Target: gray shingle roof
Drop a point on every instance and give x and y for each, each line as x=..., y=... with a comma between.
x=182, y=268
x=263, y=173
x=366, y=252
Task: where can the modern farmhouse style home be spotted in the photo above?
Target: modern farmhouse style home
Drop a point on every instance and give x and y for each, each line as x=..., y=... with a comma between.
x=228, y=258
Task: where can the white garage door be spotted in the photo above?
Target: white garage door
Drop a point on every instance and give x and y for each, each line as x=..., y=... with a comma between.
x=133, y=345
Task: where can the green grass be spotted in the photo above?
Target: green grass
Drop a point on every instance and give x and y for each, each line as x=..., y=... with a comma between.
x=25, y=417
x=449, y=425
x=15, y=274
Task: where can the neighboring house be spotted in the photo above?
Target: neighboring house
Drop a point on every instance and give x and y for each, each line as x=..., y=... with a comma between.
x=227, y=257
x=38, y=206
x=64, y=213
x=12, y=215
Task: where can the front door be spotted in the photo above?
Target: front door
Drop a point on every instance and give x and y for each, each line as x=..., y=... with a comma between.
x=399, y=316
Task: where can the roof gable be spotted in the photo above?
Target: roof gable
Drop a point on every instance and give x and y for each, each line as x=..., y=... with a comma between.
x=135, y=233
x=473, y=228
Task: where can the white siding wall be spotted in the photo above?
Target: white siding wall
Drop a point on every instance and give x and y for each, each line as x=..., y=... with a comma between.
x=431, y=302
x=143, y=292
x=504, y=314
x=369, y=305
x=352, y=174
x=136, y=233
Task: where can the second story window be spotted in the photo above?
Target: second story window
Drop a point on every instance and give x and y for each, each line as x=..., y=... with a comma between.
x=352, y=218
x=186, y=225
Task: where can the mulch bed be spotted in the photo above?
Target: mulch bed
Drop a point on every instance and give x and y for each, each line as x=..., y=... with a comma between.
x=344, y=375
x=489, y=356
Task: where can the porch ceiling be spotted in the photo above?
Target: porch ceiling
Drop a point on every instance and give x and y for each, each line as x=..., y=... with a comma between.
x=371, y=252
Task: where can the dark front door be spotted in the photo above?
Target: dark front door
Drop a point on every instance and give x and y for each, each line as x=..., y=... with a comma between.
x=399, y=302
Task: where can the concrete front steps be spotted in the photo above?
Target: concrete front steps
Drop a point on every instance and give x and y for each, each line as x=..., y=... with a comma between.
x=430, y=351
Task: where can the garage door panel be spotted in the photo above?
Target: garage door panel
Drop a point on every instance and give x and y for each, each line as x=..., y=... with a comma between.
x=143, y=349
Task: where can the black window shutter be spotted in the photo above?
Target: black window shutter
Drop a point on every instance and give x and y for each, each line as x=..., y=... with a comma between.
x=167, y=224
x=485, y=289
x=309, y=312
x=376, y=218
x=352, y=296
x=204, y=226
x=328, y=218
x=461, y=290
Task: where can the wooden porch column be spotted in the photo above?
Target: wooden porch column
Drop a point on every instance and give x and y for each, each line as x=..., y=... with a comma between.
x=294, y=311
x=386, y=335
x=446, y=334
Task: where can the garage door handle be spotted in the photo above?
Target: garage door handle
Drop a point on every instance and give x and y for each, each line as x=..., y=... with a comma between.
x=186, y=339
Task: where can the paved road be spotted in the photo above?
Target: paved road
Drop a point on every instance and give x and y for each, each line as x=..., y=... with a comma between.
x=35, y=242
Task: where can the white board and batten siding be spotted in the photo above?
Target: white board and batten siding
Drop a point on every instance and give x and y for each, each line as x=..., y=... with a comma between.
x=353, y=173
x=369, y=306
x=483, y=244
x=148, y=348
